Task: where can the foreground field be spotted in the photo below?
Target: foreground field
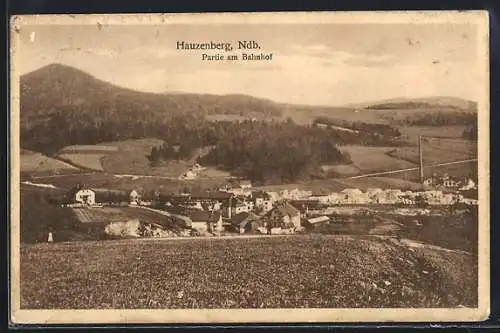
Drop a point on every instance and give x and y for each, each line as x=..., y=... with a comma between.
x=274, y=272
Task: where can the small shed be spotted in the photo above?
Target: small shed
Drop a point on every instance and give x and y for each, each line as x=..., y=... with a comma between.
x=316, y=221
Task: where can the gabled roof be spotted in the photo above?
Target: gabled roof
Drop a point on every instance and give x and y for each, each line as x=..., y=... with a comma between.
x=216, y=195
x=242, y=219
x=318, y=219
x=286, y=209
x=203, y=216
x=260, y=195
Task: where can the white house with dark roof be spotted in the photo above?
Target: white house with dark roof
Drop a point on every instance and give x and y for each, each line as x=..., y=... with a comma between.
x=85, y=196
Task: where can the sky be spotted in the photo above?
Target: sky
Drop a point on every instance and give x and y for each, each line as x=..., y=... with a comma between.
x=317, y=64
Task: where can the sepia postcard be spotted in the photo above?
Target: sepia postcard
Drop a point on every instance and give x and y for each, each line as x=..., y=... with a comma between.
x=312, y=167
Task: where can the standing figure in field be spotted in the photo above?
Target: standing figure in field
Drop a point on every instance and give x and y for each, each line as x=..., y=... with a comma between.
x=50, y=238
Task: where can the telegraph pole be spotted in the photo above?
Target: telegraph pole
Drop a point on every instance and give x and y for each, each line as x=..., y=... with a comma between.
x=421, y=163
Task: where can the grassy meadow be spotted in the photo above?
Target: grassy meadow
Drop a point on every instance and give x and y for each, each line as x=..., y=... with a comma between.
x=271, y=272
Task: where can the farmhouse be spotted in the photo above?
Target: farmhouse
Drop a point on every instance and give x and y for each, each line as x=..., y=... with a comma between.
x=205, y=222
x=284, y=215
x=305, y=206
x=82, y=196
x=245, y=222
x=238, y=207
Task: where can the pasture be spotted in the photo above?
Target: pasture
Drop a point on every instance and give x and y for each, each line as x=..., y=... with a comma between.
x=375, y=159
x=314, y=271
x=412, y=132
x=86, y=160
x=33, y=162
x=130, y=157
x=436, y=151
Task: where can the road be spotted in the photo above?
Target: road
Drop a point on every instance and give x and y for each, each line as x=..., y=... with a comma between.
x=412, y=169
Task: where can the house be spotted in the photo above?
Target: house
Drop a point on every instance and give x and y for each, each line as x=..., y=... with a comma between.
x=450, y=183
x=284, y=216
x=321, y=198
x=306, y=205
x=375, y=195
x=262, y=201
x=297, y=194
x=190, y=174
x=134, y=198
x=205, y=222
x=468, y=185
x=353, y=196
x=315, y=221
x=429, y=182
x=85, y=196
x=239, y=206
x=245, y=184
x=245, y=222
x=392, y=196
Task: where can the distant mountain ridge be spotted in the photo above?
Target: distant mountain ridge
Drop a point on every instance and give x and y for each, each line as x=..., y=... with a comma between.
x=428, y=102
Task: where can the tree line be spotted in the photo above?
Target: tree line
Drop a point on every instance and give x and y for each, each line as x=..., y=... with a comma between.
x=378, y=130
x=439, y=119
x=470, y=132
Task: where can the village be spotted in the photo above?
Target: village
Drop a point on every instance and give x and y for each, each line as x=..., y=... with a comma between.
x=240, y=208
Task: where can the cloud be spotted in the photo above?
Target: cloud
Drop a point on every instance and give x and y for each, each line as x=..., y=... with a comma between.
x=330, y=57
x=370, y=60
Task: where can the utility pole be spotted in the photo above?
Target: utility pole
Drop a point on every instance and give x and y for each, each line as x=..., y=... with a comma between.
x=421, y=164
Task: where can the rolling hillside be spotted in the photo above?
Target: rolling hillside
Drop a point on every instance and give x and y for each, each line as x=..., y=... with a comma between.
x=57, y=86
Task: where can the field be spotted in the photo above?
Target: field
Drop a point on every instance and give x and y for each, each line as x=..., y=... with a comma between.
x=438, y=151
x=129, y=157
x=117, y=157
x=374, y=159
x=412, y=132
x=268, y=272
x=87, y=160
x=33, y=162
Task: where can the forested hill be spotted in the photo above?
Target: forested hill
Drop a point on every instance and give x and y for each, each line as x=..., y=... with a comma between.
x=61, y=105
x=58, y=87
